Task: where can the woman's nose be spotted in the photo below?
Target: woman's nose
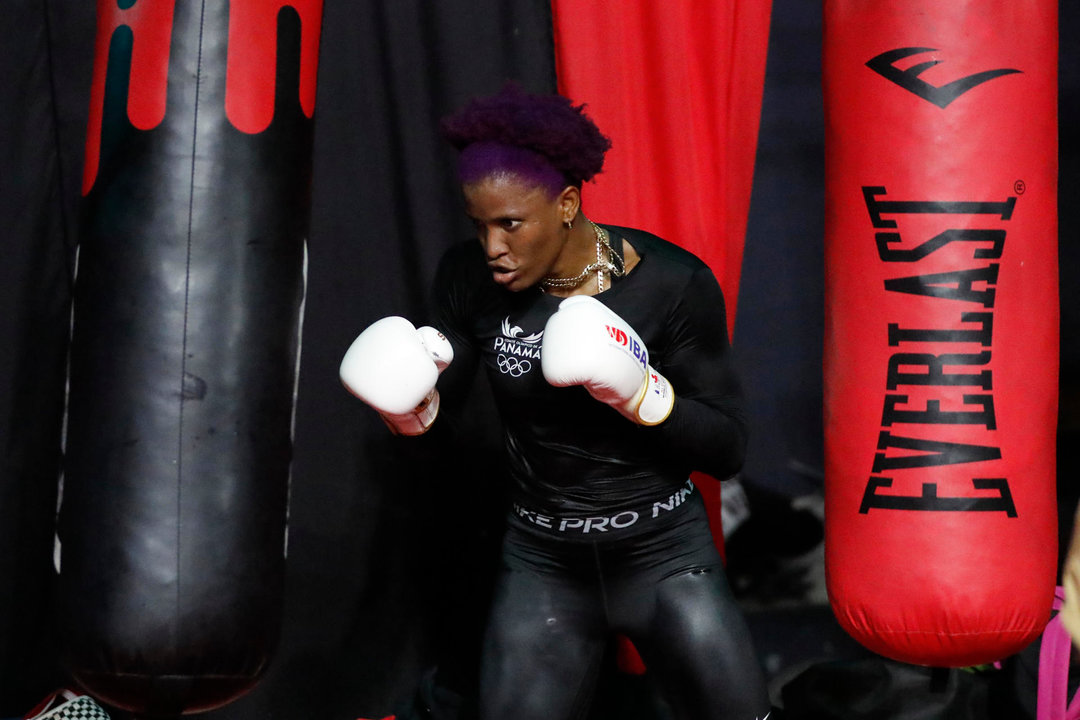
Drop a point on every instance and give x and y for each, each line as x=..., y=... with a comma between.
x=494, y=242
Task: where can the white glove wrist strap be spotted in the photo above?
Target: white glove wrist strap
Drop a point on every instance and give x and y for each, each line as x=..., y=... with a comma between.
x=655, y=401
x=416, y=422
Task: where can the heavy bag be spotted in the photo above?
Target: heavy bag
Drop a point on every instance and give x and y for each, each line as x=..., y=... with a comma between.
x=941, y=331
x=185, y=348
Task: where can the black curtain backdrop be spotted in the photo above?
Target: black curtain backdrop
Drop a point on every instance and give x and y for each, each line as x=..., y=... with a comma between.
x=44, y=56
x=390, y=547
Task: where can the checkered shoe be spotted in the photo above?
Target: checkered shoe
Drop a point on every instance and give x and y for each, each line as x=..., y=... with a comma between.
x=67, y=705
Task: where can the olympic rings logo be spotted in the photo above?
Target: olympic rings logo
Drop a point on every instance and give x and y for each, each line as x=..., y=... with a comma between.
x=512, y=366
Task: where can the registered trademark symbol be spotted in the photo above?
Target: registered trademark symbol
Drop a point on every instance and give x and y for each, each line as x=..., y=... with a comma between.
x=1019, y=187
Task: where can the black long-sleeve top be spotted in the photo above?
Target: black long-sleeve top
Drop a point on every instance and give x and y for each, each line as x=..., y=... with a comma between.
x=570, y=454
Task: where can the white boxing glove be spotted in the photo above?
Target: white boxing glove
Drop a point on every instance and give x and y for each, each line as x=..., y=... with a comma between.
x=393, y=367
x=585, y=343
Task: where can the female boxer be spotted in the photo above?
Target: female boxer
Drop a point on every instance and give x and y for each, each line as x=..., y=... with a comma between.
x=607, y=352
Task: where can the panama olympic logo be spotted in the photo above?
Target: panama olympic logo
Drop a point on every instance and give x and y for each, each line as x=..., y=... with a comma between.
x=516, y=350
x=512, y=366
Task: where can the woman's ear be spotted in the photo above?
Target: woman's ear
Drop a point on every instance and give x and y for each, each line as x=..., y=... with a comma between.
x=569, y=202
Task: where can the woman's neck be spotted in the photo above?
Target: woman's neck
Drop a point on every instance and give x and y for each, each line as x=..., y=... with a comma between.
x=578, y=253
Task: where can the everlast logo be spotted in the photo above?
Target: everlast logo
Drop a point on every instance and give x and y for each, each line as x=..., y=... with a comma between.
x=884, y=65
x=920, y=366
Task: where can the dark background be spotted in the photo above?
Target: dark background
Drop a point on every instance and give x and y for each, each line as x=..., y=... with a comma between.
x=389, y=553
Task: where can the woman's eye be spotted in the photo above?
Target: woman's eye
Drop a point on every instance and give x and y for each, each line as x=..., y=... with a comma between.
x=510, y=224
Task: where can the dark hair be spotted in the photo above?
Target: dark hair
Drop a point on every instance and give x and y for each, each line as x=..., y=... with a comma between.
x=548, y=126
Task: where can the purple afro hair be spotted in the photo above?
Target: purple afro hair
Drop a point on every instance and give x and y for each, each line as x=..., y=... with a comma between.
x=486, y=158
x=544, y=138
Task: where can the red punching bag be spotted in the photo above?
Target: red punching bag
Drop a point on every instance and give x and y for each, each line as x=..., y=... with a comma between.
x=941, y=346
x=185, y=348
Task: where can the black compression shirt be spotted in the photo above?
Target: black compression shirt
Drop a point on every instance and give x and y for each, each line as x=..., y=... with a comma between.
x=568, y=453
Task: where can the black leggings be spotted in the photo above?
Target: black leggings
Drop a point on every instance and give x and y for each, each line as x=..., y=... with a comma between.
x=557, y=602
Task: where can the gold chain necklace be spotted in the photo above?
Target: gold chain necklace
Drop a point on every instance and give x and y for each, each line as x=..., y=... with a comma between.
x=613, y=265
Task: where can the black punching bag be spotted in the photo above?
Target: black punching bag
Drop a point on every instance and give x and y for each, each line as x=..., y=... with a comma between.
x=185, y=348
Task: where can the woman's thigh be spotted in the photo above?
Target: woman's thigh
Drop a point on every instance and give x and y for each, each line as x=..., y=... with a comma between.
x=698, y=648
x=675, y=603
x=542, y=648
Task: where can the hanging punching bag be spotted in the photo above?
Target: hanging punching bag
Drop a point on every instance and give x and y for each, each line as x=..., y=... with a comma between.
x=185, y=348
x=941, y=345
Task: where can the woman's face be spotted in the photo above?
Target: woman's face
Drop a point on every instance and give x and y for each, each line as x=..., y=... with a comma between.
x=521, y=227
